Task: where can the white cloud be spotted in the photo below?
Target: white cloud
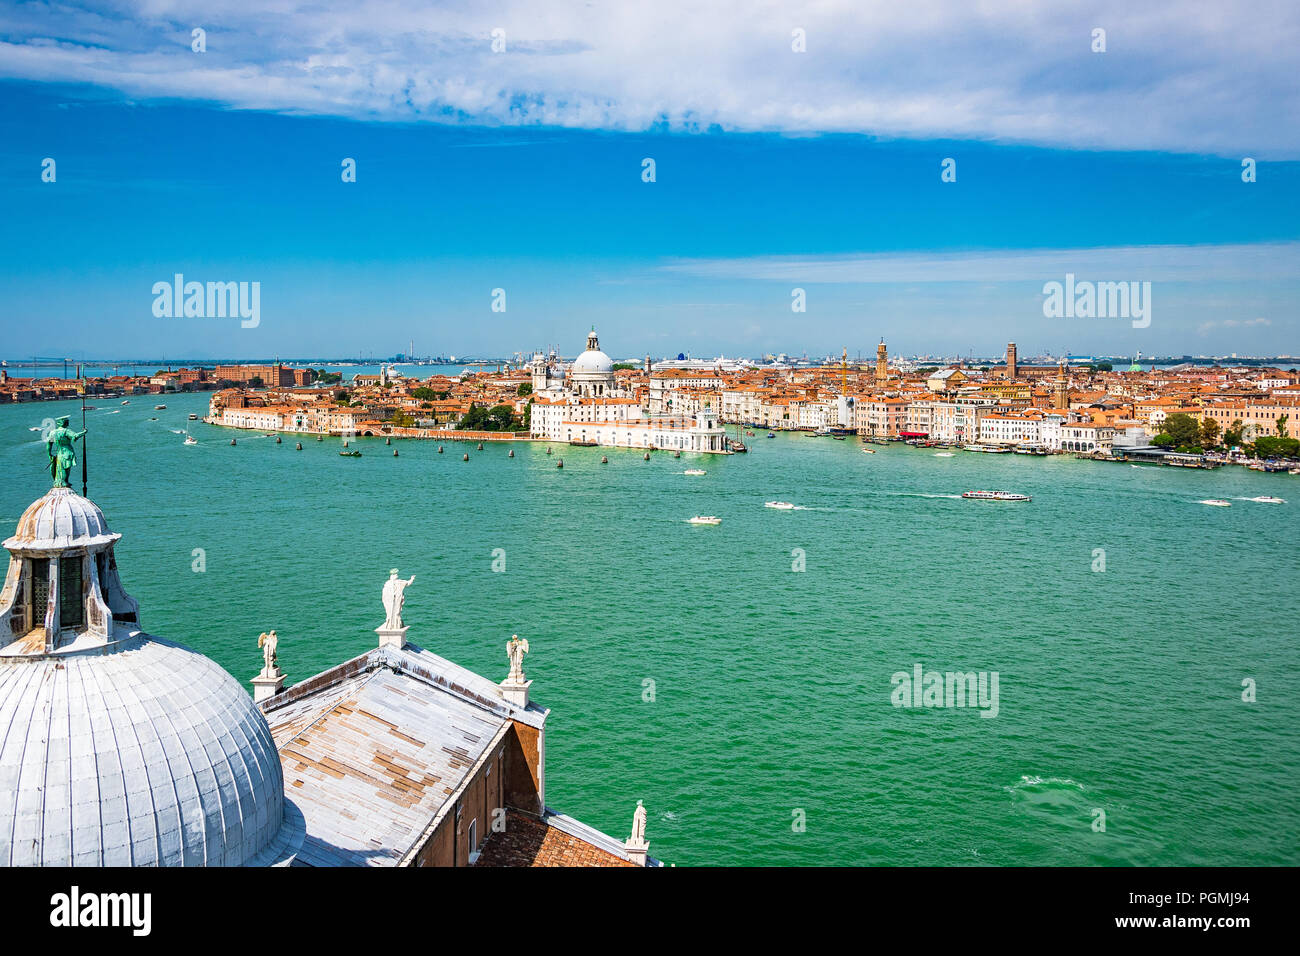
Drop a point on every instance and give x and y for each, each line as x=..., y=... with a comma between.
x=1240, y=262
x=1183, y=76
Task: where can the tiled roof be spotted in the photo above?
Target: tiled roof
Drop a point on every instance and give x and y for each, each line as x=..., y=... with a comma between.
x=528, y=841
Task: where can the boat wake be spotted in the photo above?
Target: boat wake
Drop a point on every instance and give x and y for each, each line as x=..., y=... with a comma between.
x=1033, y=780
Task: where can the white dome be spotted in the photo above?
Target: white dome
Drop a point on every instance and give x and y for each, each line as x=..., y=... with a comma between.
x=61, y=519
x=142, y=752
x=593, y=361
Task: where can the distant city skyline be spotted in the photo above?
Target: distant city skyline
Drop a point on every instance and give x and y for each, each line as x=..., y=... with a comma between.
x=1105, y=167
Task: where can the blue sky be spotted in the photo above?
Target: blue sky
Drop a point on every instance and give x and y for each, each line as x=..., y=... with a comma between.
x=475, y=172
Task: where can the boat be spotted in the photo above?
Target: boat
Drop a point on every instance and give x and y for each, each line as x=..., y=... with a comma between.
x=1216, y=502
x=693, y=471
x=604, y=460
x=350, y=454
x=706, y=519
x=126, y=403
x=840, y=437
x=986, y=449
x=868, y=451
x=779, y=505
x=771, y=434
x=159, y=408
x=737, y=447
x=1269, y=500
x=1293, y=471
x=819, y=433
x=193, y=417
x=582, y=443
x=996, y=496
x=943, y=454
x=190, y=440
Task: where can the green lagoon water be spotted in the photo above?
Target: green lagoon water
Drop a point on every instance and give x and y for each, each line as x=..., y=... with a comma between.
x=1119, y=691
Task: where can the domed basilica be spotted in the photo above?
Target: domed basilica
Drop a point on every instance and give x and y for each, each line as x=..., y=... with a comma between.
x=118, y=748
x=121, y=748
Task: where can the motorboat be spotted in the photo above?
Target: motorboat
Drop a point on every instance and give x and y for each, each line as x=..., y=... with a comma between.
x=1216, y=503
x=868, y=451
x=159, y=408
x=779, y=505
x=996, y=496
x=693, y=471
x=1269, y=500
x=190, y=440
x=193, y=417
x=706, y=519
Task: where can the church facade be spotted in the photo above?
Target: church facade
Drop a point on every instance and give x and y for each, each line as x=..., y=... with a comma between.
x=583, y=404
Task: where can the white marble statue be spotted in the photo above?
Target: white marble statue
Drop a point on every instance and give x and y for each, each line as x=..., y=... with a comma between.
x=516, y=649
x=638, y=826
x=268, y=642
x=394, y=599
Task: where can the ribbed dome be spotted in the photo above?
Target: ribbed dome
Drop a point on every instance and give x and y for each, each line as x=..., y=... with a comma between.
x=140, y=753
x=595, y=361
x=61, y=519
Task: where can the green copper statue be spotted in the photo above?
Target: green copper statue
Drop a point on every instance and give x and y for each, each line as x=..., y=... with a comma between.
x=62, y=454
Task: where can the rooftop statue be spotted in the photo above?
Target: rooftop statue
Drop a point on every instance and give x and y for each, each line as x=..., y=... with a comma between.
x=394, y=599
x=269, y=644
x=516, y=649
x=638, y=825
x=63, y=456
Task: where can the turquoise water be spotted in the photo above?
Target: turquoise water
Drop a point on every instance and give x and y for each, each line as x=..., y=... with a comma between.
x=1118, y=691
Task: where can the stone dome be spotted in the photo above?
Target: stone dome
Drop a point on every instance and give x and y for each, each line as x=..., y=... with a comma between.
x=593, y=360
x=140, y=753
x=61, y=519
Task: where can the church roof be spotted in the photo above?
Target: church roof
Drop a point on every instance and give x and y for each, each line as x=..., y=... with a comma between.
x=375, y=749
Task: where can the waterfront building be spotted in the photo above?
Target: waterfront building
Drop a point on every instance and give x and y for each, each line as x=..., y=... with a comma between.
x=1005, y=429
x=587, y=406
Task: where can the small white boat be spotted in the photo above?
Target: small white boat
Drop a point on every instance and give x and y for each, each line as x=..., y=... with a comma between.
x=193, y=417
x=190, y=440
x=126, y=403
x=779, y=505
x=693, y=471
x=943, y=454
x=706, y=519
x=1269, y=500
x=996, y=496
x=1216, y=502
x=159, y=408
x=868, y=451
